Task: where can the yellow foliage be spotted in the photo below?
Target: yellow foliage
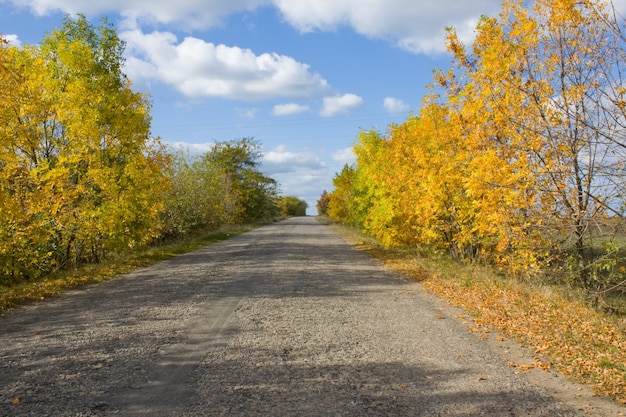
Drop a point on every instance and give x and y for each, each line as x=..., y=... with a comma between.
x=519, y=154
x=79, y=174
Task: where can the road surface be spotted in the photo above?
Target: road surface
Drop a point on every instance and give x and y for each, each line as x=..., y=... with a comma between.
x=286, y=320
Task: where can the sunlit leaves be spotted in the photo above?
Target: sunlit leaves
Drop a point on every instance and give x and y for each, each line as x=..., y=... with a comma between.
x=79, y=174
x=518, y=155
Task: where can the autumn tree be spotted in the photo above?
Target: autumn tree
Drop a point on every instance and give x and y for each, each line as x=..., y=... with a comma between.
x=549, y=78
x=322, y=203
x=517, y=156
x=249, y=195
x=344, y=205
x=80, y=175
x=196, y=201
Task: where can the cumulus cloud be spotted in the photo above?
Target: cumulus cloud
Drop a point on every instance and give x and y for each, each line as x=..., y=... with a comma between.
x=282, y=160
x=394, y=105
x=200, y=69
x=190, y=148
x=301, y=174
x=415, y=25
x=344, y=156
x=185, y=14
x=340, y=104
x=288, y=109
x=13, y=40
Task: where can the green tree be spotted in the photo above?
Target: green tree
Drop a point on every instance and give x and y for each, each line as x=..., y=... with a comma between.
x=196, y=201
x=250, y=195
x=292, y=206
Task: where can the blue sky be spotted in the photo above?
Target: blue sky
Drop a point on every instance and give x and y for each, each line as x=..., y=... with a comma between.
x=301, y=77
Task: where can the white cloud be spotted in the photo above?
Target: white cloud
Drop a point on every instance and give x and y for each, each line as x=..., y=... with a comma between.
x=247, y=113
x=301, y=174
x=190, y=148
x=344, y=156
x=12, y=39
x=288, y=109
x=394, y=105
x=415, y=25
x=340, y=104
x=282, y=160
x=200, y=69
x=184, y=14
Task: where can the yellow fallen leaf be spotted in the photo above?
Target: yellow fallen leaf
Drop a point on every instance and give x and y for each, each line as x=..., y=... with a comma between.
x=16, y=400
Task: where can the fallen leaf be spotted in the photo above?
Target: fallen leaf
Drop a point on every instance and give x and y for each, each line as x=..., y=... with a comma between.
x=483, y=378
x=16, y=400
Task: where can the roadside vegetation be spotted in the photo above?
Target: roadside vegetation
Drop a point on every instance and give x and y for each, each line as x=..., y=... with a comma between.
x=565, y=333
x=85, y=191
x=510, y=183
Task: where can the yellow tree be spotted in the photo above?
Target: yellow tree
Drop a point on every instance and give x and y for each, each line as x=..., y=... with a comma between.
x=500, y=180
x=419, y=169
x=538, y=74
x=77, y=137
x=376, y=203
x=343, y=200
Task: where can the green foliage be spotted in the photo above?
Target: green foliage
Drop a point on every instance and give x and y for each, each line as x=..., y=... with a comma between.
x=196, y=201
x=221, y=187
x=249, y=194
x=292, y=206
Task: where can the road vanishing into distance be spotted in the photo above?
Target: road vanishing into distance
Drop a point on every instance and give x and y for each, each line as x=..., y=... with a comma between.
x=286, y=320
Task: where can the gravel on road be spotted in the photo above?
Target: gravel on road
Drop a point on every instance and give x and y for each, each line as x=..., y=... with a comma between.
x=286, y=320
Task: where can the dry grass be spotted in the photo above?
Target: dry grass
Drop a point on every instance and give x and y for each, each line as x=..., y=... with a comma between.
x=567, y=334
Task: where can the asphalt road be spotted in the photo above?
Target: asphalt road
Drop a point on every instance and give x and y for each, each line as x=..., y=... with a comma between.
x=288, y=319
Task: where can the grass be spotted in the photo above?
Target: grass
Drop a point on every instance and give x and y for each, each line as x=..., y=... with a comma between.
x=565, y=333
x=54, y=284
